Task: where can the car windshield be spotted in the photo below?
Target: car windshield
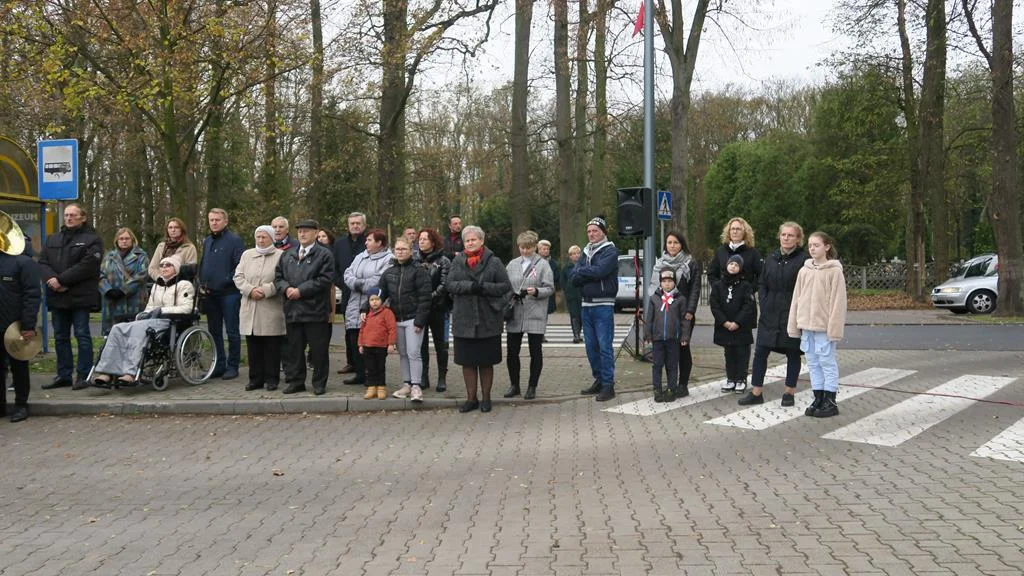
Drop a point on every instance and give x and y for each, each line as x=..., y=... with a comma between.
x=626, y=268
x=977, y=268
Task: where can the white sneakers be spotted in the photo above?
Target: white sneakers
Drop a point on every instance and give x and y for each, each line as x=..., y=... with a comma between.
x=741, y=386
x=406, y=391
x=729, y=386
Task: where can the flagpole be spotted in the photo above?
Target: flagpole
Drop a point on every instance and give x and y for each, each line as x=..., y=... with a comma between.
x=650, y=253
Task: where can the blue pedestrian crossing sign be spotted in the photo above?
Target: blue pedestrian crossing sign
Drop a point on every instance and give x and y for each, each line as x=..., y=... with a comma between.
x=664, y=205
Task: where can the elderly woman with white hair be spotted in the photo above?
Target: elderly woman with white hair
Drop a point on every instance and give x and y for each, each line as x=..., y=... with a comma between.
x=262, y=312
x=479, y=286
x=122, y=352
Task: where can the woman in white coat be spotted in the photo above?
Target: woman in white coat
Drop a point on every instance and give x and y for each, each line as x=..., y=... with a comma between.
x=533, y=283
x=262, y=313
x=122, y=352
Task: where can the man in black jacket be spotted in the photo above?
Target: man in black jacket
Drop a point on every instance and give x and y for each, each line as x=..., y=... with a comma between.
x=70, y=266
x=304, y=276
x=453, y=241
x=345, y=249
x=19, y=301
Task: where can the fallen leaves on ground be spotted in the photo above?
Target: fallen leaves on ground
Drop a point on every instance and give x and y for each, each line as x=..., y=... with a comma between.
x=884, y=301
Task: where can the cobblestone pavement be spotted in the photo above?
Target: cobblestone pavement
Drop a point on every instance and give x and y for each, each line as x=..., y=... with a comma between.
x=559, y=488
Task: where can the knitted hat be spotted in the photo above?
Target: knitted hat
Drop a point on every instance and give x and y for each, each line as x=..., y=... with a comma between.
x=600, y=222
x=266, y=229
x=174, y=261
x=737, y=259
x=374, y=291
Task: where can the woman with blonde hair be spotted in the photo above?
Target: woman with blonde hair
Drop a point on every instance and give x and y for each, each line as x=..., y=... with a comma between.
x=175, y=242
x=737, y=239
x=573, y=296
x=533, y=284
x=123, y=280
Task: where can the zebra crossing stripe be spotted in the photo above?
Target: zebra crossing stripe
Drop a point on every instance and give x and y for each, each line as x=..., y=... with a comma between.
x=648, y=407
x=1008, y=445
x=901, y=422
x=767, y=415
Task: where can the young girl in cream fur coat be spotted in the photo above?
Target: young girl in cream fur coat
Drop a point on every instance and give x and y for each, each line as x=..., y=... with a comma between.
x=817, y=316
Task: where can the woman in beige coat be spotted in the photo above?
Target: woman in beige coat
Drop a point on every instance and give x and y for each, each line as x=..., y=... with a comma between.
x=176, y=243
x=262, y=314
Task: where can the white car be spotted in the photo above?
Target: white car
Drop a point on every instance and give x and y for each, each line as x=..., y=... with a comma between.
x=972, y=287
x=625, y=297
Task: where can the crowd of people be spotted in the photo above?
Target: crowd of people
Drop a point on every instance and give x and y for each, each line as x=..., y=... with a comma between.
x=282, y=295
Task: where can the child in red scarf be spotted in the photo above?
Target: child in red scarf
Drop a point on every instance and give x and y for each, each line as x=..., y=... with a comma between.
x=663, y=320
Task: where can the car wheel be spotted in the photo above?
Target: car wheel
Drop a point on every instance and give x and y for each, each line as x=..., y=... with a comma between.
x=981, y=302
x=959, y=310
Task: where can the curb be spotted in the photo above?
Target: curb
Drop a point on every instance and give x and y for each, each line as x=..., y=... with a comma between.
x=243, y=407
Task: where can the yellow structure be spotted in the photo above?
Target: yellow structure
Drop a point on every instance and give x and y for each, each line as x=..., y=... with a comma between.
x=19, y=192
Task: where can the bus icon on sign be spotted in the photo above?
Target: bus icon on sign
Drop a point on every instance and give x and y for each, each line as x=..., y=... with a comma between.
x=57, y=168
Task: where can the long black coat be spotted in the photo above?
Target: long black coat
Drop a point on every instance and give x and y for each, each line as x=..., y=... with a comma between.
x=775, y=293
x=73, y=257
x=478, y=313
x=751, y=263
x=312, y=276
x=738, y=307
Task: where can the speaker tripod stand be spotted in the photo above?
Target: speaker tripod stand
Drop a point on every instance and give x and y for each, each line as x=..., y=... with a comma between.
x=632, y=343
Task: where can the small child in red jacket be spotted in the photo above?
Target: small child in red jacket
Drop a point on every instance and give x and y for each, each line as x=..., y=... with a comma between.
x=378, y=333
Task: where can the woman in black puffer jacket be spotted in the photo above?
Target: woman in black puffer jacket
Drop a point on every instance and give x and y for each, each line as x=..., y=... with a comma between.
x=432, y=259
x=775, y=294
x=405, y=286
x=737, y=239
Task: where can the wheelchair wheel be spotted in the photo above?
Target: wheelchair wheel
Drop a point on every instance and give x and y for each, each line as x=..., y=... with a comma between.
x=195, y=356
x=159, y=383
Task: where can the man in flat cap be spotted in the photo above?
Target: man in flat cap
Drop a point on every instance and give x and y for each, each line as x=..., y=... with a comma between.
x=304, y=276
x=596, y=273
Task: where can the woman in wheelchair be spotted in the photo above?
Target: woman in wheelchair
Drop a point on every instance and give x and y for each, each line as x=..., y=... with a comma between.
x=124, y=350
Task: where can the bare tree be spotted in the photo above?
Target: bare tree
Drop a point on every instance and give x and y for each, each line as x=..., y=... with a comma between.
x=568, y=202
x=1004, y=202
x=520, y=90
x=316, y=102
x=598, y=171
x=681, y=48
x=932, y=152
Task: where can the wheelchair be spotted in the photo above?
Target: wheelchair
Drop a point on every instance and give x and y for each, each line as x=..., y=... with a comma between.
x=184, y=350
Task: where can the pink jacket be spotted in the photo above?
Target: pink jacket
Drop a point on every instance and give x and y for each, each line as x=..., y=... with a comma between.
x=819, y=300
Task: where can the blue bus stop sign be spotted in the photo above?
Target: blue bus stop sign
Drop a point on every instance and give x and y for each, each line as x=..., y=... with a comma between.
x=664, y=205
x=58, y=169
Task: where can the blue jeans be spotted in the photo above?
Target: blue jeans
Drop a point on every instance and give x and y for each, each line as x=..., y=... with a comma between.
x=63, y=320
x=224, y=310
x=599, y=340
x=821, y=360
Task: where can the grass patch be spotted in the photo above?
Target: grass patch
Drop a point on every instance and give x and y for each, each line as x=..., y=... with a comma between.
x=996, y=320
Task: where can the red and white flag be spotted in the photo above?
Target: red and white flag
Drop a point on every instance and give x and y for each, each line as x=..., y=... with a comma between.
x=638, y=26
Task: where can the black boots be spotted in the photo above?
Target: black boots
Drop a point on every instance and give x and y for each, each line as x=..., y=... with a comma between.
x=828, y=406
x=531, y=393
x=593, y=389
x=442, y=386
x=818, y=395
x=512, y=392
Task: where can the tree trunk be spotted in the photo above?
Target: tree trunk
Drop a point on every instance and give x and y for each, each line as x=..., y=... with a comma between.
x=581, y=130
x=271, y=185
x=520, y=84
x=568, y=203
x=390, y=151
x=1004, y=206
x=915, y=199
x=598, y=170
x=316, y=105
x=932, y=151
x=682, y=54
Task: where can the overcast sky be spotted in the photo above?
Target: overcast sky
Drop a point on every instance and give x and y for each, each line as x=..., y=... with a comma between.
x=781, y=39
